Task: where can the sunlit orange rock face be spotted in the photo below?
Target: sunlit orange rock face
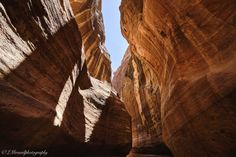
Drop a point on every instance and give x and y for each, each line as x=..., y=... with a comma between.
x=178, y=76
x=90, y=21
x=48, y=100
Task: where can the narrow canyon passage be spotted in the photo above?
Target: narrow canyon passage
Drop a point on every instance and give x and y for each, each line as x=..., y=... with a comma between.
x=172, y=95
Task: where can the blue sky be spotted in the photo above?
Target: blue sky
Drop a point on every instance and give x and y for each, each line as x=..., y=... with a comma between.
x=115, y=43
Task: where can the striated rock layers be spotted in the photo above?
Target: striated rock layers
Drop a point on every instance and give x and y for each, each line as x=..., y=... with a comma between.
x=47, y=98
x=178, y=76
x=90, y=21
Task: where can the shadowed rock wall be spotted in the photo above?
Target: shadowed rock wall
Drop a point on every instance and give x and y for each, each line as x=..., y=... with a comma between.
x=47, y=98
x=180, y=73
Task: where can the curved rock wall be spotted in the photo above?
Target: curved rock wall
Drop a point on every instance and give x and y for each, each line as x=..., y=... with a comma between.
x=135, y=82
x=189, y=49
x=90, y=21
x=47, y=98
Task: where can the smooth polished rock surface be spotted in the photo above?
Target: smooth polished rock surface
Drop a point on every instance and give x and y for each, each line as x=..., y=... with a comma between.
x=47, y=98
x=183, y=56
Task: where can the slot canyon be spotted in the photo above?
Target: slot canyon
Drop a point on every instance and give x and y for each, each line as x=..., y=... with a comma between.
x=173, y=95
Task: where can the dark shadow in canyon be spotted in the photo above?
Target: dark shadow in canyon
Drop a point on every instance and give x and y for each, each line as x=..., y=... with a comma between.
x=109, y=116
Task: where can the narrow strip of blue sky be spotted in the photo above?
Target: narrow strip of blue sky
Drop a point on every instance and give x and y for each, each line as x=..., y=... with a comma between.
x=115, y=43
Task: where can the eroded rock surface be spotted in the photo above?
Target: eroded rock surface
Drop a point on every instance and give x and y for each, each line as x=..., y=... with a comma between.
x=180, y=73
x=90, y=21
x=47, y=98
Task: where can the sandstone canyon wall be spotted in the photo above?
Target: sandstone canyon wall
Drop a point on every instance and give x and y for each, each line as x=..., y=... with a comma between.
x=136, y=83
x=48, y=100
x=90, y=21
x=178, y=76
